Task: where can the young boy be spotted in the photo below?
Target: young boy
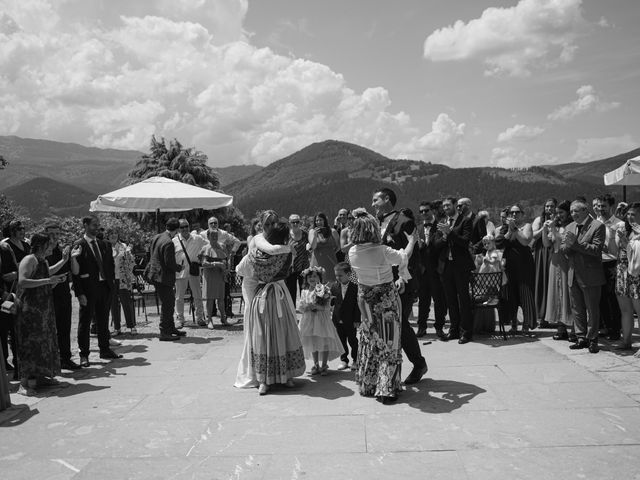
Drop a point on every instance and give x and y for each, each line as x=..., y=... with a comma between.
x=346, y=314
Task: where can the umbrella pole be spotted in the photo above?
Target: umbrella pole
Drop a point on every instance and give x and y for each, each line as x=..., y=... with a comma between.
x=158, y=220
x=624, y=193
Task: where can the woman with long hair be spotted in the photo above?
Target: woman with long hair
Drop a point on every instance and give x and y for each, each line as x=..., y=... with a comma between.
x=36, y=334
x=324, y=242
x=542, y=258
x=379, y=348
x=628, y=272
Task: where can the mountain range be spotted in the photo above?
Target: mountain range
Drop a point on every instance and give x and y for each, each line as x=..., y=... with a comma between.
x=49, y=177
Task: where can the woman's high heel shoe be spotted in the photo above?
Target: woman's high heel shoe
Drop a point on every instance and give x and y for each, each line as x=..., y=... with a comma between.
x=263, y=389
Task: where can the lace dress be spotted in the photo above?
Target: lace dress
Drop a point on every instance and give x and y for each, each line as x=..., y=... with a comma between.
x=316, y=328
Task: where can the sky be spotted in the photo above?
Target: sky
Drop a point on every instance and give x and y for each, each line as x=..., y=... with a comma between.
x=463, y=82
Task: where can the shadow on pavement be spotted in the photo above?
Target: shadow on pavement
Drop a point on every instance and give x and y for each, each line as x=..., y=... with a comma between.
x=439, y=396
x=323, y=387
x=496, y=340
x=16, y=415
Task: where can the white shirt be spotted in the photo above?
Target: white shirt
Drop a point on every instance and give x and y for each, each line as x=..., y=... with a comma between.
x=193, y=244
x=385, y=223
x=344, y=288
x=90, y=241
x=225, y=240
x=611, y=225
x=372, y=263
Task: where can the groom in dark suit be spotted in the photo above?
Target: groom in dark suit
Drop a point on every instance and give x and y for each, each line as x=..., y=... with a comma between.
x=393, y=226
x=93, y=285
x=582, y=244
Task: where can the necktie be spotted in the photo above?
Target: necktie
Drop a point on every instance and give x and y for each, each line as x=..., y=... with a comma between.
x=451, y=220
x=579, y=229
x=96, y=253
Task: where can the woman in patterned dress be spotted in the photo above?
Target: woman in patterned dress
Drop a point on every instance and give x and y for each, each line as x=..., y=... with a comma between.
x=37, y=338
x=558, y=306
x=627, y=279
x=379, y=348
x=124, y=262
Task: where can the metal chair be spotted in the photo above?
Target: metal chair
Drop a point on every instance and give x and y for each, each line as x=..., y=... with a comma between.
x=486, y=292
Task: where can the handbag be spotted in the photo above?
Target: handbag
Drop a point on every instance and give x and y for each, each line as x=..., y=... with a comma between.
x=194, y=267
x=10, y=307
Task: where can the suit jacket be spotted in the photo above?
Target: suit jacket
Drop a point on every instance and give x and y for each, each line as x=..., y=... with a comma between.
x=394, y=237
x=585, y=255
x=428, y=253
x=162, y=262
x=478, y=232
x=88, y=277
x=456, y=243
x=345, y=310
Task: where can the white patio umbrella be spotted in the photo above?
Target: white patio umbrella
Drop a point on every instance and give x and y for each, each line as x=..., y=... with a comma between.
x=627, y=174
x=160, y=194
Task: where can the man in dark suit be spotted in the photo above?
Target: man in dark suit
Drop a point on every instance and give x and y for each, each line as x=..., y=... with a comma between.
x=93, y=285
x=393, y=226
x=455, y=265
x=582, y=243
x=162, y=271
x=430, y=286
x=346, y=313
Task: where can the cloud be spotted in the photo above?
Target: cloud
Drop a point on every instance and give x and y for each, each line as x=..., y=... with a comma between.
x=587, y=101
x=519, y=132
x=115, y=72
x=443, y=144
x=513, y=40
x=512, y=157
x=598, y=148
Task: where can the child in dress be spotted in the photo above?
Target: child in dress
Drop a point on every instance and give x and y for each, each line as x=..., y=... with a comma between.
x=492, y=260
x=319, y=336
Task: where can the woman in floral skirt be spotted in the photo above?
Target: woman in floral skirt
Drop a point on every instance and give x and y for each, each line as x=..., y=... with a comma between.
x=379, y=348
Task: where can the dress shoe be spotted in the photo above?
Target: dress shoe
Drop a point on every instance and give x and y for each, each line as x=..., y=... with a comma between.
x=70, y=365
x=580, y=344
x=440, y=333
x=614, y=336
x=544, y=324
x=179, y=333
x=593, y=347
x=422, y=331
x=84, y=361
x=572, y=337
x=8, y=366
x=110, y=355
x=416, y=374
x=343, y=366
x=389, y=400
x=169, y=338
x=464, y=340
x=561, y=336
x=451, y=336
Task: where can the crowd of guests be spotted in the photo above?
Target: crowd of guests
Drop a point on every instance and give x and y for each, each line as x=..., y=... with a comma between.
x=353, y=281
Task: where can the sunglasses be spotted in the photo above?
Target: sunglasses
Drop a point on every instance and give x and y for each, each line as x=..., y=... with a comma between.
x=184, y=226
x=294, y=222
x=213, y=223
x=424, y=211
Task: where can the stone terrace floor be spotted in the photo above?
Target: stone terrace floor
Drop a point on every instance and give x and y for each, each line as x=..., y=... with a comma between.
x=526, y=408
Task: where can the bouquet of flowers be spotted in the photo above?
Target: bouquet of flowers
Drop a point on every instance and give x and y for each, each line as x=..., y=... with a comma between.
x=322, y=294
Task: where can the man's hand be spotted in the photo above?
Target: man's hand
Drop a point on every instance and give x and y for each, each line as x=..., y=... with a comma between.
x=400, y=286
x=83, y=300
x=570, y=238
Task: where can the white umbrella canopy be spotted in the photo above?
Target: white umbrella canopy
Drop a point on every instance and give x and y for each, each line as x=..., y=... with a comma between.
x=160, y=194
x=627, y=174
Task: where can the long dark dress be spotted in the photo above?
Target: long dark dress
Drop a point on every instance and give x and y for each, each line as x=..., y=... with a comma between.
x=37, y=338
x=5, y=400
x=542, y=259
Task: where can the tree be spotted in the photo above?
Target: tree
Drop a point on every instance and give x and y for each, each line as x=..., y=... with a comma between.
x=186, y=165
x=3, y=162
x=10, y=211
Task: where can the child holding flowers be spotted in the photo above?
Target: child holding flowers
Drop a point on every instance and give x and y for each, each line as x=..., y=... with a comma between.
x=319, y=336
